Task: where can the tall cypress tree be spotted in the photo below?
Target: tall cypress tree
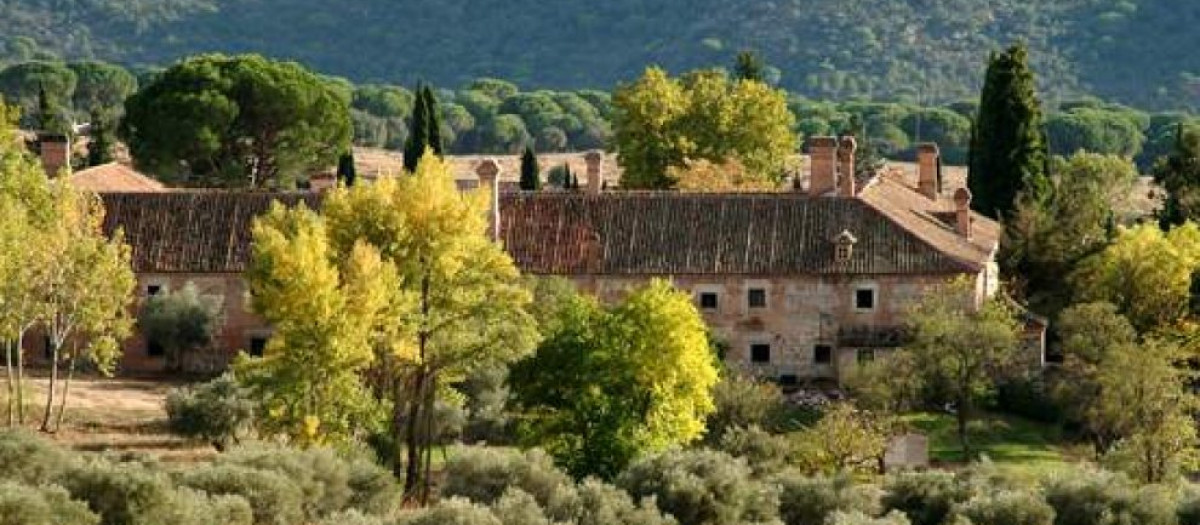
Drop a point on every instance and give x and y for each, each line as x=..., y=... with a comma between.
x=425, y=129
x=531, y=179
x=99, y=149
x=1008, y=149
x=49, y=117
x=346, y=172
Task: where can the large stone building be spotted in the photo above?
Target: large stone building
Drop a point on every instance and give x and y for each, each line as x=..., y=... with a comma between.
x=797, y=285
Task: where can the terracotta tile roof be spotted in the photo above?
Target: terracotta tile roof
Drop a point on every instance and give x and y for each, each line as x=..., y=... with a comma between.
x=191, y=231
x=613, y=233
x=373, y=162
x=933, y=221
x=115, y=177
x=695, y=233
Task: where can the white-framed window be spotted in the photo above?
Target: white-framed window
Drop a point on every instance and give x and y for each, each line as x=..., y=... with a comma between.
x=708, y=297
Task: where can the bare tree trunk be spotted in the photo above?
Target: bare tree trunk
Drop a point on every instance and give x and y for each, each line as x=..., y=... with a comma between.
x=430, y=400
x=21, y=378
x=12, y=383
x=50, y=391
x=412, y=437
x=62, y=407
x=961, y=415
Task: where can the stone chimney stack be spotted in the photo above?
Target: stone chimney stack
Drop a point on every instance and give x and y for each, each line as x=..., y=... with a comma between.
x=927, y=169
x=55, y=153
x=489, y=181
x=962, y=212
x=595, y=177
x=845, y=154
x=823, y=177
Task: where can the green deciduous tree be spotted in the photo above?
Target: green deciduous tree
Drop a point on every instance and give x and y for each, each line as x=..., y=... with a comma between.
x=182, y=322
x=961, y=348
x=1008, y=150
x=1089, y=334
x=236, y=121
x=1179, y=174
x=662, y=122
x=531, y=174
x=609, y=384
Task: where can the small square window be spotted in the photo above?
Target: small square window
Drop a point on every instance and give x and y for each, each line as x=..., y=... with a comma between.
x=760, y=353
x=822, y=354
x=155, y=349
x=708, y=300
x=757, y=297
x=866, y=355
x=864, y=299
x=258, y=345
x=153, y=290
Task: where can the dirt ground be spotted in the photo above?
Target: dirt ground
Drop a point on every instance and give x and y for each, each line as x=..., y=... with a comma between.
x=113, y=415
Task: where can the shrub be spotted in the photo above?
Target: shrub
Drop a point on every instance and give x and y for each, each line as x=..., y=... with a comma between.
x=29, y=459
x=483, y=475
x=926, y=498
x=182, y=322
x=599, y=503
x=486, y=396
x=44, y=505
x=454, y=511
x=765, y=452
x=811, y=501
x=517, y=507
x=198, y=508
x=322, y=477
x=702, y=487
x=350, y=517
x=1009, y=508
x=1028, y=397
x=274, y=500
x=742, y=402
x=123, y=494
x=219, y=411
x=858, y=518
x=1089, y=497
x=373, y=488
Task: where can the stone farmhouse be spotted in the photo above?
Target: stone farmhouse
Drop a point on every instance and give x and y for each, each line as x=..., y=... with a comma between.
x=798, y=285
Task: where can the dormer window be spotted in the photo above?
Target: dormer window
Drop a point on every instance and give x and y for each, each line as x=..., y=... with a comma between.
x=843, y=246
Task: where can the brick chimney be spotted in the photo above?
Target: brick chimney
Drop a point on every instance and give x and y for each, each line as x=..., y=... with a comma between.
x=489, y=181
x=594, y=160
x=845, y=154
x=55, y=153
x=962, y=212
x=823, y=176
x=927, y=169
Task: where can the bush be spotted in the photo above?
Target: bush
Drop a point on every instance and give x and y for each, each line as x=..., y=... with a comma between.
x=1009, y=508
x=322, y=477
x=811, y=501
x=926, y=498
x=350, y=517
x=454, y=511
x=702, y=487
x=199, y=508
x=517, y=507
x=487, y=395
x=765, y=452
x=219, y=411
x=373, y=488
x=31, y=460
x=1029, y=398
x=274, y=500
x=1087, y=498
x=124, y=494
x=858, y=518
x=44, y=505
x=598, y=503
x=743, y=402
x=483, y=475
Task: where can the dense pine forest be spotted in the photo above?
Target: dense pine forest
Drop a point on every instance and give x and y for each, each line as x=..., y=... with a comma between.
x=926, y=51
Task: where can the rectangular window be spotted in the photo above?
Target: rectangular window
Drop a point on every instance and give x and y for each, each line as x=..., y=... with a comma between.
x=155, y=349
x=864, y=299
x=153, y=290
x=822, y=354
x=258, y=345
x=866, y=355
x=760, y=353
x=757, y=297
x=708, y=300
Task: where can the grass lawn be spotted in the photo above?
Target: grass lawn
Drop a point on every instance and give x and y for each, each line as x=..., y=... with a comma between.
x=1010, y=442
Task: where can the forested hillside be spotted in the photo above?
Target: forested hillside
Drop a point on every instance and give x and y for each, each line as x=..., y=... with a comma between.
x=1138, y=52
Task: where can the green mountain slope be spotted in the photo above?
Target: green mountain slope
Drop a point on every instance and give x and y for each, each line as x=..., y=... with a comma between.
x=1135, y=51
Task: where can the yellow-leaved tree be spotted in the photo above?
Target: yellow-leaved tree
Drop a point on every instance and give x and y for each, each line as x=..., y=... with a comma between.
x=444, y=298
x=326, y=311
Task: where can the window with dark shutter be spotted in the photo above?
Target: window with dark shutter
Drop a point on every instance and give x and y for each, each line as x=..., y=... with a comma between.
x=708, y=300
x=258, y=345
x=864, y=299
x=155, y=349
x=760, y=353
x=153, y=290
